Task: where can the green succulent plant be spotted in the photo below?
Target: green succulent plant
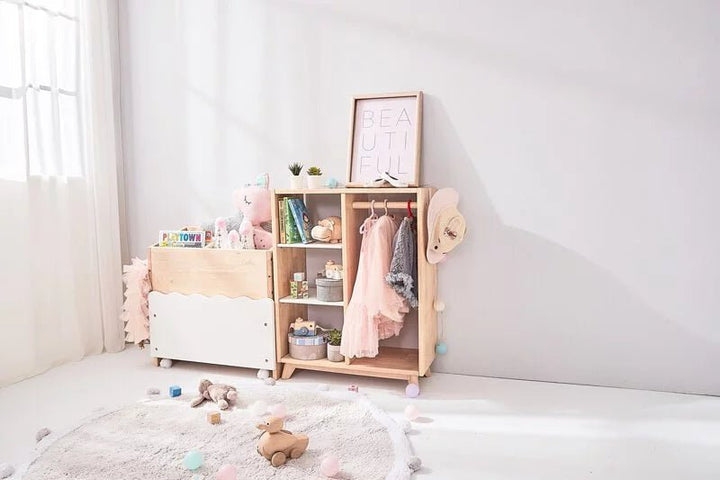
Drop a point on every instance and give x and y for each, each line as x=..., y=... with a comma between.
x=314, y=171
x=334, y=337
x=295, y=168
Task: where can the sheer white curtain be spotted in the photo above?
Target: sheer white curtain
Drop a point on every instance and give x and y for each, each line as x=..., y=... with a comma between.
x=60, y=250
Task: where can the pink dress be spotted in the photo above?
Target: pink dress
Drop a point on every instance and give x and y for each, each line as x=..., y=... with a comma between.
x=376, y=310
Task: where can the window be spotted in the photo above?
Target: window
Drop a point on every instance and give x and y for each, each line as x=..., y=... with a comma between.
x=40, y=121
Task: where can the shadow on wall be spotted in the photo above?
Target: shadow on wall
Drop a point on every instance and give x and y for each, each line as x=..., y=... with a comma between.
x=511, y=293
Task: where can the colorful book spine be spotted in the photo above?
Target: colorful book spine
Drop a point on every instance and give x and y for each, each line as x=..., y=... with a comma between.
x=302, y=220
x=281, y=214
x=292, y=235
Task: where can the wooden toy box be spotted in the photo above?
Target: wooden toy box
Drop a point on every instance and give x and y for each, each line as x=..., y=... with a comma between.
x=212, y=306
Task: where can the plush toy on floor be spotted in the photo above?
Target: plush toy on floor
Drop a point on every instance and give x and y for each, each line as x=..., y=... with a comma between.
x=223, y=395
x=277, y=445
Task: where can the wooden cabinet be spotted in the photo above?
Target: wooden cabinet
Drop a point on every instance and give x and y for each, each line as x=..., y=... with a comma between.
x=406, y=363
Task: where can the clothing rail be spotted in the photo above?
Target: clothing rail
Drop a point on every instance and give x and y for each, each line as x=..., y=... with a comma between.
x=379, y=205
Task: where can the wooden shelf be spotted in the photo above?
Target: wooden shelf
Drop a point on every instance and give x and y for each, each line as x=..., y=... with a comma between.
x=391, y=362
x=319, y=245
x=311, y=300
x=335, y=191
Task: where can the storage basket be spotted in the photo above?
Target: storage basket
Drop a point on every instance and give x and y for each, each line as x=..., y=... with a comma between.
x=310, y=347
x=329, y=290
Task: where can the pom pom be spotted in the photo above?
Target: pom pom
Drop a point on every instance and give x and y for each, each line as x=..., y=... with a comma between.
x=226, y=472
x=259, y=408
x=42, y=433
x=6, y=470
x=269, y=381
x=412, y=412
x=405, y=426
x=323, y=387
x=414, y=464
x=278, y=410
x=412, y=390
x=263, y=374
x=330, y=466
x=166, y=363
x=193, y=460
x=152, y=391
x=441, y=348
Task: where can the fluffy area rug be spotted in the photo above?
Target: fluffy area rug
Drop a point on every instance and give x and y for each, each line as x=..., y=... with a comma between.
x=148, y=440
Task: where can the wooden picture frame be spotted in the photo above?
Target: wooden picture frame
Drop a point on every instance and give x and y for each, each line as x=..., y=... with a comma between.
x=385, y=135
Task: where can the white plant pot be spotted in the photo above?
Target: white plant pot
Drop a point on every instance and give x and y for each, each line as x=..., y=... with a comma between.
x=333, y=353
x=315, y=181
x=296, y=182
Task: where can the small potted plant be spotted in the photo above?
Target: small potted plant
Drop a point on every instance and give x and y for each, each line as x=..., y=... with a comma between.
x=315, y=178
x=296, y=181
x=333, y=346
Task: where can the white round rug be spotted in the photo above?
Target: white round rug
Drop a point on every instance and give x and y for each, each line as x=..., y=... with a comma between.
x=148, y=440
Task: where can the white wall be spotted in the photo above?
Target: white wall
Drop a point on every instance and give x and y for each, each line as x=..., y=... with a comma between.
x=583, y=137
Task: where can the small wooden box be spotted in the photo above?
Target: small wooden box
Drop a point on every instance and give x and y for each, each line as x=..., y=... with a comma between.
x=211, y=271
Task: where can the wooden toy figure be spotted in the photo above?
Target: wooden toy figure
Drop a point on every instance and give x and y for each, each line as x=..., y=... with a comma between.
x=277, y=444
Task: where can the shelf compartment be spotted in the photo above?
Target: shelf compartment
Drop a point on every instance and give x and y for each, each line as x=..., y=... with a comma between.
x=311, y=300
x=391, y=362
x=324, y=246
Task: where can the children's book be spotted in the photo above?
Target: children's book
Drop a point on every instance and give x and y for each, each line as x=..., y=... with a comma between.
x=302, y=220
x=281, y=214
x=292, y=235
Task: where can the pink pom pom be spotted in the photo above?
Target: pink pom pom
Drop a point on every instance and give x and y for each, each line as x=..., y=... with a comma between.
x=226, y=472
x=412, y=412
x=278, y=410
x=330, y=466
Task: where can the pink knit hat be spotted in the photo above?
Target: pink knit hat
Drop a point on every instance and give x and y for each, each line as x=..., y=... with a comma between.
x=446, y=225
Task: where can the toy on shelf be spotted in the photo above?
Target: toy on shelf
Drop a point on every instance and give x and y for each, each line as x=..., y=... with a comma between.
x=299, y=286
x=333, y=270
x=328, y=230
x=303, y=328
x=254, y=203
x=223, y=395
x=277, y=445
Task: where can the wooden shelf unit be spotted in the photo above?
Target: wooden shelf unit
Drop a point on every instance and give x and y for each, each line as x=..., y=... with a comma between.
x=396, y=363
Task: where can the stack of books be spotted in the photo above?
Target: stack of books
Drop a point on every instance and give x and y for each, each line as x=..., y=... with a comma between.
x=294, y=221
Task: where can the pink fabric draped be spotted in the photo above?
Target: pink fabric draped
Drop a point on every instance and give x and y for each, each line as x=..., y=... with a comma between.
x=376, y=310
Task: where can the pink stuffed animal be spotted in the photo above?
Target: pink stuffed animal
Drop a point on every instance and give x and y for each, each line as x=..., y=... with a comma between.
x=254, y=203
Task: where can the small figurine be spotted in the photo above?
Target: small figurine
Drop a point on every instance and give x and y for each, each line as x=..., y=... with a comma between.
x=333, y=270
x=223, y=395
x=303, y=328
x=328, y=230
x=277, y=444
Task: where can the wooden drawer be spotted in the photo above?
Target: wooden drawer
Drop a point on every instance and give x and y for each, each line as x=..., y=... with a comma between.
x=211, y=271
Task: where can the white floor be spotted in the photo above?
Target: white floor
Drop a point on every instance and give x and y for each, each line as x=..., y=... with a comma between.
x=474, y=428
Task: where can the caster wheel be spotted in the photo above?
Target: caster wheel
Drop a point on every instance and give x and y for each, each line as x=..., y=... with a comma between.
x=278, y=459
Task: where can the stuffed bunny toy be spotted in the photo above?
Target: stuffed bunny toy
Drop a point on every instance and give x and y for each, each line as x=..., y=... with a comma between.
x=253, y=201
x=223, y=395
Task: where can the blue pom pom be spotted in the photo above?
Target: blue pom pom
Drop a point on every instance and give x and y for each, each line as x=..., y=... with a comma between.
x=441, y=348
x=193, y=460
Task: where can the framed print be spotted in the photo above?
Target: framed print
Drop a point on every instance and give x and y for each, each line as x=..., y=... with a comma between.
x=385, y=136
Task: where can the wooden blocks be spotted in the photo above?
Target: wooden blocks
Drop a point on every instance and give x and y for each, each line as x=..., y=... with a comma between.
x=213, y=418
x=175, y=391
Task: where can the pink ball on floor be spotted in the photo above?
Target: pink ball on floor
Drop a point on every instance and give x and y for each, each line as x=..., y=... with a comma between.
x=226, y=472
x=412, y=412
x=412, y=390
x=278, y=410
x=330, y=466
